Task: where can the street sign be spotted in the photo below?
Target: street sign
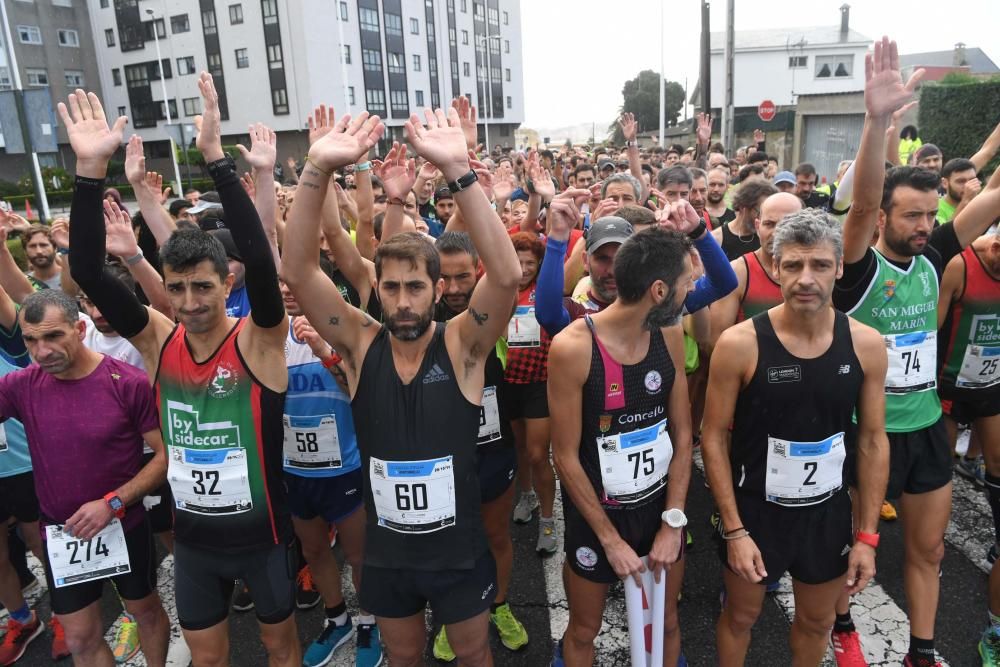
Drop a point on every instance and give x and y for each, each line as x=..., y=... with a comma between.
x=766, y=110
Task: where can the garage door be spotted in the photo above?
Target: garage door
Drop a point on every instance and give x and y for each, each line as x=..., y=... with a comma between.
x=830, y=139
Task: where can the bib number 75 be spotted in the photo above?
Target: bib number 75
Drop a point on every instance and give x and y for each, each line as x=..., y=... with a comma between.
x=645, y=458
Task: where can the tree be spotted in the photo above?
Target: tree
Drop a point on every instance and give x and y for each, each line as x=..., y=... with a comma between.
x=641, y=96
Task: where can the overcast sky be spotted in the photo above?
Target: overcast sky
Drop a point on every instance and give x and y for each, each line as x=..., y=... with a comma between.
x=579, y=53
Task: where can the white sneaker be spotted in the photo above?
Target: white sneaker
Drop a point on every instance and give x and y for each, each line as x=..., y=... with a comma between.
x=526, y=504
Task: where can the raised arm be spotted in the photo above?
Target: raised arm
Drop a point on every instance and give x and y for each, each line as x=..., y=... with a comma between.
x=349, y=260
x=884, y=94
x=398, y=176
x=121, y=243
x=262, y=156
x=987, y=150
x=147, y=192
x=550, y=311
x=973, y=220
x=12, y=279
x=630, y=131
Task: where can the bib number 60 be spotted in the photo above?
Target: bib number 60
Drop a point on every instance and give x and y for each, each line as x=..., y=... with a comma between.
x=411, y=497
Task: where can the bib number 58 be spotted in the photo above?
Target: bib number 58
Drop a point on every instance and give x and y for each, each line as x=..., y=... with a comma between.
x=306, y=442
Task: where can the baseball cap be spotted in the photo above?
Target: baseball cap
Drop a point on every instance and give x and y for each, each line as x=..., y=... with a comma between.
x=226, y=239
x=605, y=163
x=207, y=201
x=212, y=220
x=609, y=229
x=178, y=205
x=926, y=151
x=784, y=177
x=442, y=193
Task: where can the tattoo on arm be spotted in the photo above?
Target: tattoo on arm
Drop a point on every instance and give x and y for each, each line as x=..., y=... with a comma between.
x=334, y=321
x=480, y=318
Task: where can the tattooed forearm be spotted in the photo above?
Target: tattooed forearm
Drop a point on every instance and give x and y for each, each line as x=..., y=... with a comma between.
x=480, y=318
x=334, y=321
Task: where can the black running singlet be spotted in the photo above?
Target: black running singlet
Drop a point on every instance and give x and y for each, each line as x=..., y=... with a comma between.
x=733, y=244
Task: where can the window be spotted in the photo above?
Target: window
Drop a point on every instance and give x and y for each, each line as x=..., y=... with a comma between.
x=122, y=111
x=116, y=76
x=465, y=37
x=416, y=62
x=192, y=106
x=396, y=63
x=343, y=11
x=235, y=14
x=506, y=46
x=242, y=60
x=62, y=3
x=74, y=78
x=347, y=54
x=414, y=27
x=836, y=67
x=104, y=4
x=350, y=95
x=68, y=37
x=274, y=56
x=465, y=69
x=509, y=102
x=215, y=63
x=465, y=6
x=137, y=76
x=454, y=69
x=185, y=65
x=506, y=18
x=398, y=101
x=179, y=23
x=375, y=98
x=394, y=25
x=451, y=37
x=5, y=82
x=506, y=74
x=109, y=36
x=269, y=8
x=420, y=98
x=279, y=100
x=208, y=21
x=37, y=77
x=371, y=60
x=477, y=11
x=29, y=34
x=173, y=109
x=368, y=19
x=158, y=25
x=797, y=62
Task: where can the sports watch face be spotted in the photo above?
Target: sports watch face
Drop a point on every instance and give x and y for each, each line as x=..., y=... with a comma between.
x=116, y=504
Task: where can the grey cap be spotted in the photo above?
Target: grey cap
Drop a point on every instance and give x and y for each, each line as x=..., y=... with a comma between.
x=784, y=177
x=609, y=229
x=206, y=202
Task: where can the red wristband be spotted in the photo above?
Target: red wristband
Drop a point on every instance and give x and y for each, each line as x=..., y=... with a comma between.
x=871, y=539
x=331, y=361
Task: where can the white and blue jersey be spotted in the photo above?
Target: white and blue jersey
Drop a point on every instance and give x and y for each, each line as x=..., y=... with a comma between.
x=14, y=456
x=320, y=440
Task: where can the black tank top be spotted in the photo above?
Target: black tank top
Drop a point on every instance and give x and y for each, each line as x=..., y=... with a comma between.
x=734, y=246
x=494, y=420
x=788, y=444
x=418, y=451
x=624, y=446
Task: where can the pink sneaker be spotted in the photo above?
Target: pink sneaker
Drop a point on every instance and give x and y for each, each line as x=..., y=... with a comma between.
x=847, y=649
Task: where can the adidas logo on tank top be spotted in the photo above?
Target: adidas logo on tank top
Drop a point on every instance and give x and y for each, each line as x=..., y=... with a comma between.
x=435, y=374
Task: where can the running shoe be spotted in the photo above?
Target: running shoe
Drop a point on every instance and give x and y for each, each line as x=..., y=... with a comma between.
x=242, y=600
x=330, y=639
x=888, y=512
x=991, y=555
x=526, y=505
x=369, y=653
x=60, y=649
x=512, y=633
x=908, y=662
x=442, y=649
x=847, y=649
x=18, y=636
x=306, y=595
x=126, y=639
x=989, y=648
x=546, y=538
x=973, y=469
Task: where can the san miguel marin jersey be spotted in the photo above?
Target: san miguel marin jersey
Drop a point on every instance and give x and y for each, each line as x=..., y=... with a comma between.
x=223, y=432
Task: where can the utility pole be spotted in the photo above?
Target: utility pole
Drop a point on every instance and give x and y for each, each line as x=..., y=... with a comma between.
x=166, y=100
x=706, y=59
x=22, y=117
x=663, y=78
x=728, y=124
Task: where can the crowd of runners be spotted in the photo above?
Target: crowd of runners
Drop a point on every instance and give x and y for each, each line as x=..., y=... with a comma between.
x=405, y=354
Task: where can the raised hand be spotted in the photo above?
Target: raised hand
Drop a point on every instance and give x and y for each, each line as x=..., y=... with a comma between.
x=304, y=331
x=320, y=123
x=153, y=181
x=12, y=222
x=93, y=141
x=541, y=181
x=208, y=124
x=60, y=233
x=884, y=89
x=441, y=142
x=682, y=217
x=604, y=208
x=704, y=131
x=120, y=237
x=971, y=189
x=483, y=172
x=262, y=154
x=346, y=142
x=246, y=180
x=629, y=125
x=564, y=212
x=397, y=173
x=467, y=120
x=503, y=182
x=135, y=160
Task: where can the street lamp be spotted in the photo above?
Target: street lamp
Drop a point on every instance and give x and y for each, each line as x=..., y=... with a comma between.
x=166, y=103
x=481, y=41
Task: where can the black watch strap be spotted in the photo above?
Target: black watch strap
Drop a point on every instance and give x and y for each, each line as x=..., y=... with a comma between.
x=696, y=233
x=463, y=182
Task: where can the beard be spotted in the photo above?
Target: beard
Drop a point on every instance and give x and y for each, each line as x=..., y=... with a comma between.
x=714, y=198
x=905, y=246
x=410, y=329
x=954, y=194
x=664, y=313
x=42, y=261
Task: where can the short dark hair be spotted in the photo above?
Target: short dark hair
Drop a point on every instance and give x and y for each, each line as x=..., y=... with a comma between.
x=651, y=255
x=34, y=230
x=908, y=132
x=546, y=153
x=411, y=247
x=121, y=274
x=805, y=169
x=377, y=224
x=957, y=164
x=674, y=151
x=697, y=173
x=454, y=243
x=757, y=156
x=636, y=215
x=582, y=167
x=748, y=170
x=751, y=192
x=917, y=178
x=34, y=306
x=186, y=248
x=675, y=174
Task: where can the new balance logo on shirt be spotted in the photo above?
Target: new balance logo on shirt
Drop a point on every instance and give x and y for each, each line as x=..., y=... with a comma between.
x=844, y=370
x=435, y=374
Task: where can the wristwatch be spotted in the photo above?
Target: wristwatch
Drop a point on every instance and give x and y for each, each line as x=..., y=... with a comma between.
x=116, y=504
x=675, y=518
x=463, y=182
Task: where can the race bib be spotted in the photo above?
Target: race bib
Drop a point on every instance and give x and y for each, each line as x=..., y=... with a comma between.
x=312, y=443
x=413, y=496
x=489, y=417
x=210, y=481
x=75, y=561
x=912, y=362
x=803, y=473
x=523, y=329
x=980, y=367
x=634, y=465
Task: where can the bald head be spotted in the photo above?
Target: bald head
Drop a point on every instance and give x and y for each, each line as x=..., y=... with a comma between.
x=774, y=208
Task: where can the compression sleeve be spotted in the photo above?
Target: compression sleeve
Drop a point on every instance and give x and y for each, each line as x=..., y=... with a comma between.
x=266, y=307
x=118, y=304
x=719, y=279
x=549, y=309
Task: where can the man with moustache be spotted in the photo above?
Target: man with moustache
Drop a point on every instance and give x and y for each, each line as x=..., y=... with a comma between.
x=715, y=204
x=41, y=254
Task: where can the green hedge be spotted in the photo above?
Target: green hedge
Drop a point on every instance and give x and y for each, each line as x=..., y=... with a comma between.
x=65, y=197
x=958, y=113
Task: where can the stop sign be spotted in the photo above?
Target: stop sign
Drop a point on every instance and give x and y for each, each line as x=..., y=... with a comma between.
x=766, y=110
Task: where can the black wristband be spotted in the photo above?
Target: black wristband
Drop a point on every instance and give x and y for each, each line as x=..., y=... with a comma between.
x=696, y=233
x=89, y=182
x=463, y=182
x=221, y=166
